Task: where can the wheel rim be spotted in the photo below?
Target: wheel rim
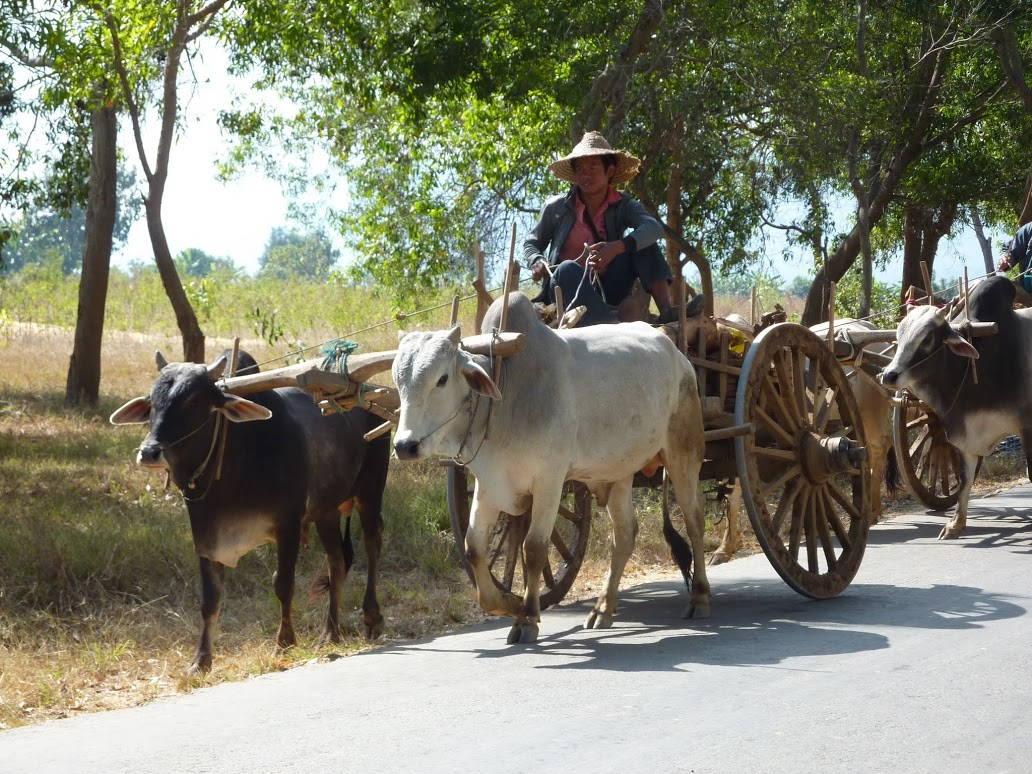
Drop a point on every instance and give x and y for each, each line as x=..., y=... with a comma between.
x=932, y=467
x=566, y=550
x=805, y=481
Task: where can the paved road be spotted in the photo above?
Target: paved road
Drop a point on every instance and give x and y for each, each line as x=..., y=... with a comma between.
x=923, y=665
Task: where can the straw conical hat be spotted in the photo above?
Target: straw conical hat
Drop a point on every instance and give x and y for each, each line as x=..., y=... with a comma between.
x=594, y=144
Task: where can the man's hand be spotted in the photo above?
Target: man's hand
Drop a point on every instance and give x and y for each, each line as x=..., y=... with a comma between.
x=601, y=254
x=1005, y=262
x=537, y=271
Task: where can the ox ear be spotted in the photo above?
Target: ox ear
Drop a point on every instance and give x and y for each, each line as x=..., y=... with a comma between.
x=455, y=334
x=959, y=345
x=216, y=369
x=480, y=380
x=135, y=412
x=159, y=359
x=237, y=409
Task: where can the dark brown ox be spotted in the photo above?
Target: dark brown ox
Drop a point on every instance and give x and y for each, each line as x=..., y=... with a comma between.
x=284, y=466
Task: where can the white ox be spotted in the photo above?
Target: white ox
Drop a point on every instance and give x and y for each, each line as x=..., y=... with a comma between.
x=589, y=404
x=876, y=416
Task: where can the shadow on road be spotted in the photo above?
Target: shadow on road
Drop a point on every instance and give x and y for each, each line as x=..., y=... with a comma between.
x=987, y=526
x=755, y=623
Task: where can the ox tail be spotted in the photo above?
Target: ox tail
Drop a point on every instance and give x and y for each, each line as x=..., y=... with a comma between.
x=680, y=551
x=892, y=478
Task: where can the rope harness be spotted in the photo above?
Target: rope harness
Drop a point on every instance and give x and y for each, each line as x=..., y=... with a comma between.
x=220, y=433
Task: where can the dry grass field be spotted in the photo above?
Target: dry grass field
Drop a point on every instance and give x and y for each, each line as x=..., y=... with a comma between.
x=98, y=579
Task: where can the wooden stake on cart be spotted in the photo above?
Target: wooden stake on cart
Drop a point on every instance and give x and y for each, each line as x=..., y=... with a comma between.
x=752, y=308
x=560, y=306
x=455, y=310
x=928, y=282
x=480, y=285
x=229, y=372
x=967, y=315
x=506, y=289
x=831, y=315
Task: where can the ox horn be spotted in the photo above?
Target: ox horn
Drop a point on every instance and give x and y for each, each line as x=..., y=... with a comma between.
x=215, y=369
x=455, y=334
x=942, y=312
x=159, y=359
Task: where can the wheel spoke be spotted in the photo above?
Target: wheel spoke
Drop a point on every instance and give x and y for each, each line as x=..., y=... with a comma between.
x=787, y=501
x=822, y=530
x=945, y=465
x=776, y=396
x=933, y=468
x=560, y=545
x=770, y=423
x=788, y=390
x=834, y=521
x=787, y=474
x=569, y=515
x=795, y=532
x=841, y=499
x=782, y=455
x=796, y=357
x=546, y=574
x=916, y=445
x=811, y=531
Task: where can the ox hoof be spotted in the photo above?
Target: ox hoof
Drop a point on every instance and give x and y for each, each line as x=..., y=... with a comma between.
x=330, y=636
x=200, y=667
x=697, y=610
x=523, y=633
x=950, y=532
x=598, y=620
x=285, y=639
x=720, y=557
x=373, y=629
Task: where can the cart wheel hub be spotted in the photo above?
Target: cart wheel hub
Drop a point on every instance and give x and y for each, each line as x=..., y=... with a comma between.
x=822, y=457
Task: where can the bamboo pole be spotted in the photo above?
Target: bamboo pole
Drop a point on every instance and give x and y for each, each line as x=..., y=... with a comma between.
x=480, y=285
x=455, y=310
x=831, y=313
x=928, y=282
x=560, y=306
x=967, y=315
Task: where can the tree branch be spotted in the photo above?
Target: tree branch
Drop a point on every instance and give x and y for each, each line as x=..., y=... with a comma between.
x=22, y=56
x=127, y=92
x=206, y=13
x=610, y=87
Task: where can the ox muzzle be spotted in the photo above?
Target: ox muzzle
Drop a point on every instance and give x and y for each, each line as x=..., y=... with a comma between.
x=150, y=455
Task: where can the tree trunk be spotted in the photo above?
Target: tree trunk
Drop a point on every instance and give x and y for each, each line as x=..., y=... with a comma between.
x=867, y=277
x=983, y=240
x=913, y=229
x=935, y=228
x=673, y=214
x=83, y=383
x=1025, y=212
x=189, y=328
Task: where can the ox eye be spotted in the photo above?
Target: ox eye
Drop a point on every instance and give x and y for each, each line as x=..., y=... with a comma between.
x=442, y=381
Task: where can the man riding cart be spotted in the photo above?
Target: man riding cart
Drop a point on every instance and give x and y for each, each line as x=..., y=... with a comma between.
x=581, y=242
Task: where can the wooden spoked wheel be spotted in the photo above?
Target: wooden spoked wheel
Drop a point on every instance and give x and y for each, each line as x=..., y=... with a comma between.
x=932, y=467
x=566, y=552
x=805, y=480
